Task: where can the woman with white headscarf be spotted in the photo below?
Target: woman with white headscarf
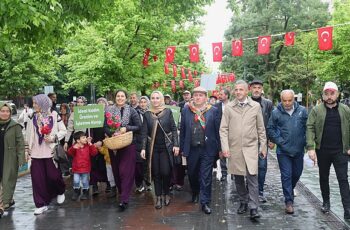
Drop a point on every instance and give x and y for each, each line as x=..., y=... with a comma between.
x=159, y=134
x=43, y=130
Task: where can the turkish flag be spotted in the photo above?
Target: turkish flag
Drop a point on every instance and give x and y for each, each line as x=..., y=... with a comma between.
x=170, y=54
x=181, y=84
x=237, y=47
x=325, y=38
x=196, y=83
x=173, y=86
x=190, y=79
x=194, y=53
x=166, y=68
x=264, y=44
x=217, y=51
x=183, y=74
x=145, y=57
x=174, y=71
x=289, y=39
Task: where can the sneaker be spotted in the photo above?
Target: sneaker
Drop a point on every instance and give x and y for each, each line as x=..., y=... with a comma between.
x=108, y=188
x=39, y=211
x=95, y=190
x=178, y=187
x=148, y=188
x=60, y=199
x=8, y=206
x=66, y=174
x=140, y=189
x=289, y=209
x=262, y=199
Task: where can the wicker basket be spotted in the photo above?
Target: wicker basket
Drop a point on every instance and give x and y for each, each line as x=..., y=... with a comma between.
x=118, y=142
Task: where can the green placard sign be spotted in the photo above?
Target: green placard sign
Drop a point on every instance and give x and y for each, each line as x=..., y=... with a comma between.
x=90, y=116
x=176, y=113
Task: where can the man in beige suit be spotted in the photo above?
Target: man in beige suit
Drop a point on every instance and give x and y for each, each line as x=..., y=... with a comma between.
x=241, y=130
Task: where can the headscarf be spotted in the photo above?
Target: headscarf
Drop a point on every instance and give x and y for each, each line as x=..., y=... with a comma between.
x=148, y=104
x=159, y=108
x=83, y=99
x=43, y=118
x=104, y=100
x=2, y=104
x=44, y=102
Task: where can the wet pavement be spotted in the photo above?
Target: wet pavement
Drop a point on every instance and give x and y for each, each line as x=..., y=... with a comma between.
x=102, y=213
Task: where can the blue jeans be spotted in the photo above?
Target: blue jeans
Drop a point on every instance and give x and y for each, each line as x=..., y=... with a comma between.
x=291, y=169
x=262, y=169
x=83, y=177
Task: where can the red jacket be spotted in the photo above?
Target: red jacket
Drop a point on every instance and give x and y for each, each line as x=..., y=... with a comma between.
x=81, y=158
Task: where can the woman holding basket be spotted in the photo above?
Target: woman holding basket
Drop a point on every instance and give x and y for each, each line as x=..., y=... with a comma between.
x=159, y=130
x=122, y=118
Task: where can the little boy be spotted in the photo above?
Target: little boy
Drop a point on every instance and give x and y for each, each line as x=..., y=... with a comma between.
x=81, y=152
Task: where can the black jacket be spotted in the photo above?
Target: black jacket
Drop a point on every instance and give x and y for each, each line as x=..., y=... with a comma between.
x=168, y=124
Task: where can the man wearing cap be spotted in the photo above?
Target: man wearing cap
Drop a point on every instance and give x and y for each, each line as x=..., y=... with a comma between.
x=186, y=95
x=328, y=134
x=200, y=144
x=241, y=130
x=256, y=88
x=286, y=128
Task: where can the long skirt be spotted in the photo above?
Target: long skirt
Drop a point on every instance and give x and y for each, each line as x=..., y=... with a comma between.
x=123, y=165
x=47, y=181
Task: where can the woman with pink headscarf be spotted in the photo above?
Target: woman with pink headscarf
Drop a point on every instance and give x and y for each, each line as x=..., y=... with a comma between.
x=44, y=130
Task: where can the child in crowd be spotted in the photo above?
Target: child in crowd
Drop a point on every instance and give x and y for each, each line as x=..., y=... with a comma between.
x=81, y=152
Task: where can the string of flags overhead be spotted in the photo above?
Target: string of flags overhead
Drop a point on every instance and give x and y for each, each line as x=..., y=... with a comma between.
x=325, y=42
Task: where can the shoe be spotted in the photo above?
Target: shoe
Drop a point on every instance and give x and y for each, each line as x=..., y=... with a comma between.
x=85, y=195
x=76, y=194
x=140, y=189
x=262, y=199
x=123, y=206
x=8, y=206
x=326, y=206
x=206, y=209
x=223, y=178
x=148, y=188
x=108, y=188
x=195, y=198
x=178, y=187
x=95, y=190
x=158, y=203
x=254, y=214
x=243, y=208
x=1, y=213
x=113, y=192
x=232, y=177
x=40, y=210
x=289, y=209
x=61, y=198
x=167, y=200
x=347, y=214
x=66, y=174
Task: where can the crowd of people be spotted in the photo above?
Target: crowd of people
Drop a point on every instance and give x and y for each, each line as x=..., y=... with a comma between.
x=234, y=134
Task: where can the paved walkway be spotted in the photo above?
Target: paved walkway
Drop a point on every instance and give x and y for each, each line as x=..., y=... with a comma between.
x=102, y=213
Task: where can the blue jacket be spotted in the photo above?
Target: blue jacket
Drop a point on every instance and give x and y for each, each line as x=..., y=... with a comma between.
x=288, y=131
x=212, y=138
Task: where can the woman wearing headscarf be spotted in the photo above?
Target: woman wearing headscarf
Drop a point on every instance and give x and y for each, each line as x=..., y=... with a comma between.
x=98, y=165
x=44, y=129
x=123, y=161
x=140, y=168
x=11, y=155
x=160, y=129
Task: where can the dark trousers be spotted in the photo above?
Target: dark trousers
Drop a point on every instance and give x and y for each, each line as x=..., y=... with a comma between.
x=178, y=175
x=200, y=170
x=123, y=166
x=340, y=164
x=262, y=170
x=291, y=168
x=161, y=171
x=223, y=166
x=47, y=181
x=247, y=189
